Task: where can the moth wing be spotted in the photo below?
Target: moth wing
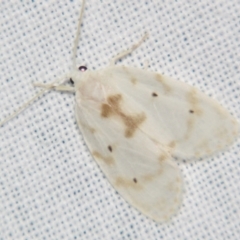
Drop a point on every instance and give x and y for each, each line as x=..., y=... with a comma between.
x=182, y=118
x=136, y=167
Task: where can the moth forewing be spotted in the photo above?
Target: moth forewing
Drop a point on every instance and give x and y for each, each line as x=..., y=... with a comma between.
x=136, y=165
x=134, y=122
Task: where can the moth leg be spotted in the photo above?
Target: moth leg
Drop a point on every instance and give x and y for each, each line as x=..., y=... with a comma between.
x=62, y=88
x=127, y=52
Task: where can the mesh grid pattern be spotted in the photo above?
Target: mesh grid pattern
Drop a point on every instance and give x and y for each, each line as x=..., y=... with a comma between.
x=50, y=187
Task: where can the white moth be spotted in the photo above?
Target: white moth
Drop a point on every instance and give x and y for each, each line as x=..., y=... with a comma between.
x=135, y=121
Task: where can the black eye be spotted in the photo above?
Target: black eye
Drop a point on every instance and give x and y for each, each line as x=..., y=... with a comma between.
x=82, y=68
x=71, y=81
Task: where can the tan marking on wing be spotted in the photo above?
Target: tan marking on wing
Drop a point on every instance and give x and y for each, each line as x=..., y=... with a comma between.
x=172, y=144
x=160, y=79
x=163, y=157
x=106, y=110
x=112, y=107
x=132, y=123
x=89, y=128
x=219, y=109
x=150, y=176
x=127, y=183
x=133, y=80
x=194, y=102
x=107, y=160
x=137, y=182
x=130, y=75
x=194, y=111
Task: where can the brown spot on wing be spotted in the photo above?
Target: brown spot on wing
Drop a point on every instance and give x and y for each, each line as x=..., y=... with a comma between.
x=133, y=80
x=163, y=157
x=154, y=94
x=127, y=183
x=89, y=128
x=191, y=95
x=151, y=176
x=112, y=105
x=194, y=102
x=106, y=110
x=110, y=148
x=107, y=160
x=165, y=86
x=131, y=122
x=172, y=144
x=114, y=100
x=92, y=130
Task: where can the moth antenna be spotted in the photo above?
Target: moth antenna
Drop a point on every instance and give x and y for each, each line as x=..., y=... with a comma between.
x=54, y=84
x=127, y=52
x=31, y=100
x=24, y=106
x=77, y=37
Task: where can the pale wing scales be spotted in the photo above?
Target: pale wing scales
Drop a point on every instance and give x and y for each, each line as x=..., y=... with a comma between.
x=137, y=167
x=133, y=121
x=184, y=119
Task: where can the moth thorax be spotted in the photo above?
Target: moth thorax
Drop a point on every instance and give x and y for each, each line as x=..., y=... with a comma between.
x=92, y=89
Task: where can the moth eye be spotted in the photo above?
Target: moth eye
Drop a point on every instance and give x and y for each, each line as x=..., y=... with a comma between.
x=71, y=81
x=82, y=68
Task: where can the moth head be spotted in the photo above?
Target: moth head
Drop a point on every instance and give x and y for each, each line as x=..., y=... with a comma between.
x=78, y=74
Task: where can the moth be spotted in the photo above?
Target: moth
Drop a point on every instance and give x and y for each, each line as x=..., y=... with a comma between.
x=135, y=122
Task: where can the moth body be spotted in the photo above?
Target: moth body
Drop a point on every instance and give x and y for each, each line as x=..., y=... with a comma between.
x=135, y=121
